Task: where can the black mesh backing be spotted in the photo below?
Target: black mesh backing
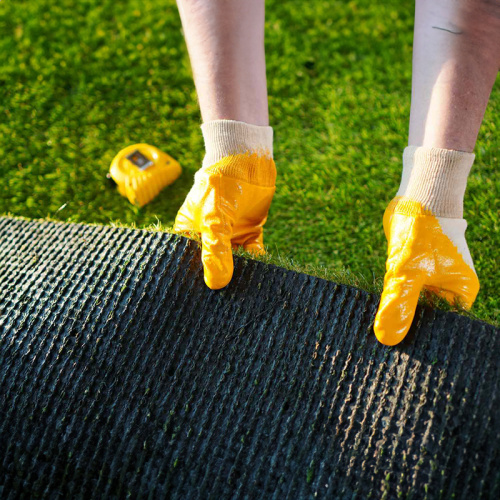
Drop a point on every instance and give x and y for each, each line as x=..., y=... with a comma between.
x=123, y=376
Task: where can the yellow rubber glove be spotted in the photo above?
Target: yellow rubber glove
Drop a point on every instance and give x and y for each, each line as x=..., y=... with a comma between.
x=424, y=251
x=389, y=211
x=228, y=206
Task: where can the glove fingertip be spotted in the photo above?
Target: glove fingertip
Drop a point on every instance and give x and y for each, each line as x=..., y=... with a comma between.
x=255, y=248
x=217, y=269
x=396, y=310
x=216, y=281
x=387, y=332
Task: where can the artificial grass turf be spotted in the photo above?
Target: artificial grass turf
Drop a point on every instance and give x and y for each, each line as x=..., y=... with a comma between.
x=82, y=79
x=151, y=385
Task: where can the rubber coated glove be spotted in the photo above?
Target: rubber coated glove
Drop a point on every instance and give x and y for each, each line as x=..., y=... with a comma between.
x=424, y=251
x=388, y=213
x=228, y=206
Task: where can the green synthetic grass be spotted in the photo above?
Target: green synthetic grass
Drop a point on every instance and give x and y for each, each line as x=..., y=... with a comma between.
x=81, y=79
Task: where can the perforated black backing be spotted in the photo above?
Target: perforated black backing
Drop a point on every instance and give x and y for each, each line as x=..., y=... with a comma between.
x=123, y=375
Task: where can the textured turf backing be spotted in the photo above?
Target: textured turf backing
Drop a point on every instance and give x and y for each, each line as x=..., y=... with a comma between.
x=123, y=375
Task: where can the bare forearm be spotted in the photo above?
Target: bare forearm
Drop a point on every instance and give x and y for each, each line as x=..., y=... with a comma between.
x=455, y=62
x=225, y=39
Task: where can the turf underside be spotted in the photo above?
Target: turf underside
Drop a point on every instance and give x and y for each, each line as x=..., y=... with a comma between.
x=81, y=79
x=123, y=375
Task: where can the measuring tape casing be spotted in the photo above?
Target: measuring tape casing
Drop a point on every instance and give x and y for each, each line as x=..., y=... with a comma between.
x=141, y=171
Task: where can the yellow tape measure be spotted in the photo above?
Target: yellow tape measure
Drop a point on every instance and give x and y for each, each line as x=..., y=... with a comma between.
x=141, y=171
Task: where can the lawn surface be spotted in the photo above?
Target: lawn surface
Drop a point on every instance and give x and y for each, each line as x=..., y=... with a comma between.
x=81, y=79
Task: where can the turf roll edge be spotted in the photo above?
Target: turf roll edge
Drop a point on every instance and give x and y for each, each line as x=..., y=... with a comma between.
x=123, y=376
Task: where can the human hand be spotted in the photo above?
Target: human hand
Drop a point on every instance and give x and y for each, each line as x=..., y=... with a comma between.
x=228, y=206
x=424, y=251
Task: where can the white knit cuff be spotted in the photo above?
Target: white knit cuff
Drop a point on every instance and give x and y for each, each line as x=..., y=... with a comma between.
x=407, y=168
x=229, y=137
x=438, y=180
